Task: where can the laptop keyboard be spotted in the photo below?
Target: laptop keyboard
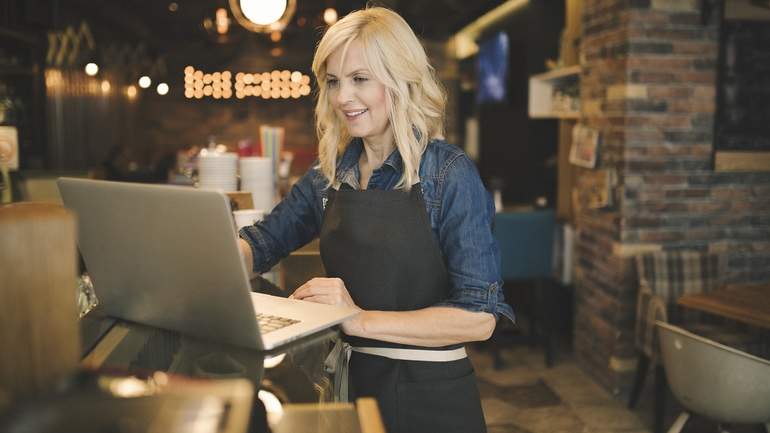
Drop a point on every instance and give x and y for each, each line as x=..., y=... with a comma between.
x=268, y=323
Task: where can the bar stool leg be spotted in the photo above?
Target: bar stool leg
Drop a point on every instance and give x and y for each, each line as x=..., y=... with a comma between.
x=546, y=300
x=660, y=398
x=678, y=425
x=642, y=365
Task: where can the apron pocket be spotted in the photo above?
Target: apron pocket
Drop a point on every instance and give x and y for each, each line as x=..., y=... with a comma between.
x=446, y=406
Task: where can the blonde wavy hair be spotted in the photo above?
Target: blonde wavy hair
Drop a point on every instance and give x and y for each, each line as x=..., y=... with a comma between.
x=415, y=98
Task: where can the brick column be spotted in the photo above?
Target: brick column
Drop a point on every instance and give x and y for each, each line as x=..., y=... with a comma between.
x=648, y=84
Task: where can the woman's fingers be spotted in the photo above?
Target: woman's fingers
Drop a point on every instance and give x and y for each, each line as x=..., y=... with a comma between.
x=325, y=291
x=319, y=286
x=313, y=295
x=320, y=299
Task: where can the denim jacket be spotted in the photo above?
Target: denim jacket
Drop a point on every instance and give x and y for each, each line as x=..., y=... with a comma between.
x=459, y=208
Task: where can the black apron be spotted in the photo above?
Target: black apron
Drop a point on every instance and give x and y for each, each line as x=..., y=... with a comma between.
x=381, y=245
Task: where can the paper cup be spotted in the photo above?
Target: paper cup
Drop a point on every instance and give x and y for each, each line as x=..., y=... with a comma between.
x=247, y=217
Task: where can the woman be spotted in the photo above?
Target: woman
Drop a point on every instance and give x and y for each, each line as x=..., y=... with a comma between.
x=404, y=225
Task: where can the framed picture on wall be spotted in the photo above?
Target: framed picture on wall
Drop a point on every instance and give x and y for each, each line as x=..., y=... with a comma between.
x=594, y=189
x=585, y=146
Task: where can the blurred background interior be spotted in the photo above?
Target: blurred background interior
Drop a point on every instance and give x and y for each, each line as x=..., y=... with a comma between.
x=616, y=137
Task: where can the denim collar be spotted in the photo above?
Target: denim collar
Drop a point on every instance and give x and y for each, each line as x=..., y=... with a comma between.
x=347, y=167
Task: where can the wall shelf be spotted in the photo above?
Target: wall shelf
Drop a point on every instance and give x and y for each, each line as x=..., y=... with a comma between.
x=549, y=94
x=555, y=115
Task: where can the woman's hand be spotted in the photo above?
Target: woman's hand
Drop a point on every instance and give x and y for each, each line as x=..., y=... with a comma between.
x=330, y=291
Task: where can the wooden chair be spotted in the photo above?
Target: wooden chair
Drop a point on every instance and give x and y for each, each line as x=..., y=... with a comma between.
x=39, y=330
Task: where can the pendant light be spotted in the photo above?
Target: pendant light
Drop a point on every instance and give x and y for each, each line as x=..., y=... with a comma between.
x=263, y=16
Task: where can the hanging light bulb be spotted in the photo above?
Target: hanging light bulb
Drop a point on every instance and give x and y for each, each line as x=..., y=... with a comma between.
x=145, y=82
x=330, y=16
x=222, y=21
x=131, y=92
x=162, y=89
x=92, y=69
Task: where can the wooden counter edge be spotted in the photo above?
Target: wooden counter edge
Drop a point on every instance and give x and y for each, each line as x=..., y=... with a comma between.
x=369, y=416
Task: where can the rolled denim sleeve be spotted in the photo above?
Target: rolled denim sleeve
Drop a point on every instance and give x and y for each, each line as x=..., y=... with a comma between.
x=469, y=248
x=294, y=222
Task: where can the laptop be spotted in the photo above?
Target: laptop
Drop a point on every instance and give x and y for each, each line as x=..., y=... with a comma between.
x=167, y=256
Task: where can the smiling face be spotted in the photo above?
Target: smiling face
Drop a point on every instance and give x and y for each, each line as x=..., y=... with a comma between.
x=357, y=97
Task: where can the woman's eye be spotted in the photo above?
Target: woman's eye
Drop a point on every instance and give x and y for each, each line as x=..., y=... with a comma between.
x=359, y=79
x=332, y=82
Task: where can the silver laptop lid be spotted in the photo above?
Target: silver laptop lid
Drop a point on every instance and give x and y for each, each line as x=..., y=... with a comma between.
x=165, y=256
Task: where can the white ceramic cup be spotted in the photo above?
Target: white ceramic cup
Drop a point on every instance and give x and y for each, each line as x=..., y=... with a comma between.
x=247, y=217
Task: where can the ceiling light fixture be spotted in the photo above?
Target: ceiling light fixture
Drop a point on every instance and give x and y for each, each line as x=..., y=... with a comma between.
x=265, y=12
x=263, y=16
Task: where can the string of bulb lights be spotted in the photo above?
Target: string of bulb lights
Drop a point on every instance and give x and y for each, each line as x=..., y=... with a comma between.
x=144, y=82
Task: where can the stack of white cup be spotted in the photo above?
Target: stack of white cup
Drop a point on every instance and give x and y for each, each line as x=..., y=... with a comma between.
x=247, y=217
x=257, y=178
x=218, y=171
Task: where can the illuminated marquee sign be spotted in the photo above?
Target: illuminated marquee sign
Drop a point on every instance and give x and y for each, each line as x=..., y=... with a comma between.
x=266, y=85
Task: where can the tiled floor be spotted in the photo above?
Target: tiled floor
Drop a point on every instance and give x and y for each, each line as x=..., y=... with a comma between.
x=525, y=397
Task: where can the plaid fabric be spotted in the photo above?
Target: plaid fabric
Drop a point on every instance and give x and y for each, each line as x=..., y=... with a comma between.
x=673, y=274
x=663, y=278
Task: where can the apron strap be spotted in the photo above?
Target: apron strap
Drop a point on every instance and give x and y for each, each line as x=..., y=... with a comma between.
x=336, y=364
x=415, y=354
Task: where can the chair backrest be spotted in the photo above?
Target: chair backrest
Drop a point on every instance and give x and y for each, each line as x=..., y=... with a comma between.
x=525, y=240
x=671, y=274
x=714, y=380
x=663, y=278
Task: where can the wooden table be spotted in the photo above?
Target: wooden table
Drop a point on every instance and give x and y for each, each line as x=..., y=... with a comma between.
x=744, y=303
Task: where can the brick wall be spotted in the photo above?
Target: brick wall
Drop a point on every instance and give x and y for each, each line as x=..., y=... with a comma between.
x=648, y=85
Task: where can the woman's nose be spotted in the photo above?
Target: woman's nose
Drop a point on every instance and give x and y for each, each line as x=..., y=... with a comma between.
x=344, y=94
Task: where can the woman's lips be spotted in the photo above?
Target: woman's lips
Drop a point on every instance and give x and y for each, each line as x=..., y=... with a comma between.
x=352, y=115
